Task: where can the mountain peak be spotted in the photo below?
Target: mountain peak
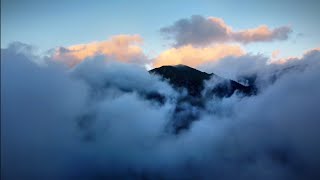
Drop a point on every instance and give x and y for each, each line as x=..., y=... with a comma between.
x=180, y=65
x=180, y=68
x=182, y=76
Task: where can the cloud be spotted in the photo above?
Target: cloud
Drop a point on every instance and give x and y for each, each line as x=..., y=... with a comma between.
x=93, y=122
x=201, y=31
x=261, y=34
x=309, y=52
x=275, y=54
x=232, y=67
x=197, y=31
x=123, y=48
x=260, y=68
x=39, y=102
x=192, y=56
x=56, y=118
x=267, y=133
x=101, y=75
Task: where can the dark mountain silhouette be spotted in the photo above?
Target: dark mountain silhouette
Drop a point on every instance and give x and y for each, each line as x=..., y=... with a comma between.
x=193, y=80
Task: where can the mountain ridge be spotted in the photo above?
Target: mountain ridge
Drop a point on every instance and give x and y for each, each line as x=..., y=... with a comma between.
x=182, y=76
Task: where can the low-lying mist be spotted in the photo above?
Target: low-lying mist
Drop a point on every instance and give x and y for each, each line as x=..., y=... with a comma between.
x=100, y=120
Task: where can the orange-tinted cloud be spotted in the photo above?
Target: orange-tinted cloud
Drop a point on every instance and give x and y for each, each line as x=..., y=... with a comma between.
x=123, y=48
x=201, y=31
x=306, y=53
x=275, y=54
x=192, y=56
x=261, y=33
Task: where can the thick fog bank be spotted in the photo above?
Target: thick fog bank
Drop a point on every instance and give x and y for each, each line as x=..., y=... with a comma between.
x=103, y=120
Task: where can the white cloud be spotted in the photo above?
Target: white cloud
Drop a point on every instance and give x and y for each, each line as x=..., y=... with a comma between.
x=92, y=122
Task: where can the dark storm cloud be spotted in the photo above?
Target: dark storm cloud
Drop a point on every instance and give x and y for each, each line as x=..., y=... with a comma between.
x=93, y=122
x=201, y=31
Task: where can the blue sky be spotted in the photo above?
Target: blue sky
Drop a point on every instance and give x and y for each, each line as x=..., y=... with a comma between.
x=48, y=24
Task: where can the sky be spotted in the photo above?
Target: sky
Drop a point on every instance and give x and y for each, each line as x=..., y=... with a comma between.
x=49, y=24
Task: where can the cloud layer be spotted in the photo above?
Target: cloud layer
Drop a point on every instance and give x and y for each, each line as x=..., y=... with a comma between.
x=201, y=31
x=95, y=121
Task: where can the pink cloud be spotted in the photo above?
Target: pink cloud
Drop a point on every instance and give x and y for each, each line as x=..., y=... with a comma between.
x=201, y=31
x=275, y=54
x=261, y=34
x=124, y=48
x=306, y=53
